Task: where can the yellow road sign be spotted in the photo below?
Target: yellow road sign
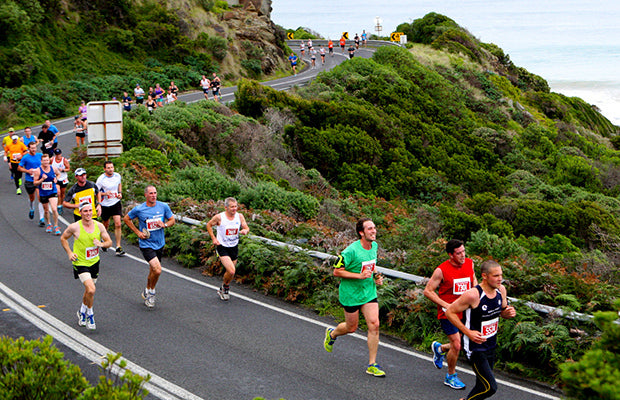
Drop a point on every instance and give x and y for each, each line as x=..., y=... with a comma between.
x=345, y=35
x=289, y=35
x=395, y=36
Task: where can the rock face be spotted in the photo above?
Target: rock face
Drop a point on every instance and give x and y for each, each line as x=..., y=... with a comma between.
x=263, y=6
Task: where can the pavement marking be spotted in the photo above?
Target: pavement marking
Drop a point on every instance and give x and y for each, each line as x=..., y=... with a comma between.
x=87, y=347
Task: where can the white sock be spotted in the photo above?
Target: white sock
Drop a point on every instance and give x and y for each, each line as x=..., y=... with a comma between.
x=41, y=212
x=83, y=308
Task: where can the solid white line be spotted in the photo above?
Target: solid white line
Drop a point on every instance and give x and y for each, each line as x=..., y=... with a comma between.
x=87, y=347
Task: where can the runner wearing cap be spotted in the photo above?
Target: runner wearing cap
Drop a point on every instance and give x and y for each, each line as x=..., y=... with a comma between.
x=14, y=152
x=83, y=190
x=28, y=165
x=62, y=165
x=5, y=142
x=89, y=236
x=45, y=178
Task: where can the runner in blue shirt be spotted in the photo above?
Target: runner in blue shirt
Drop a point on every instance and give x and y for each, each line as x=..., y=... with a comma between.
x=30, y=162
x=153, y=216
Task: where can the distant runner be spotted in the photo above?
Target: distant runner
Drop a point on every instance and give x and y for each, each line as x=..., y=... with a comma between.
x=293, y=59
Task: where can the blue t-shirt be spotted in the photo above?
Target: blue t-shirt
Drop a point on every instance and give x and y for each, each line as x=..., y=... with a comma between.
x=27, y=140
x=55, y=131
x=146, y=215
x=30, y=162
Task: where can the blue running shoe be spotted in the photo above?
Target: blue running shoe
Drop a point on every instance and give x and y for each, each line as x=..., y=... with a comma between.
x=41, y=222
x=437, y=354
x=81, y=318
x=31, y=213
x=454, y=382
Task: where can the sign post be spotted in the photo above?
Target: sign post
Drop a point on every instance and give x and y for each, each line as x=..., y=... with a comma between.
x=105, y=129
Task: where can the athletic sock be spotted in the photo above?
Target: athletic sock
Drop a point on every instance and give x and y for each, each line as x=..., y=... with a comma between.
x=83, y=308
x=41, y=211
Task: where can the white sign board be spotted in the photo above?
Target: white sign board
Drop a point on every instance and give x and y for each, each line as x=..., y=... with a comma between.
x=105, y=121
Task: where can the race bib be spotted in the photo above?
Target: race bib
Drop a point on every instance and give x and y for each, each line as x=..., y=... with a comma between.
x=489, y=328
x=152, y=224
x=232, y=231
x=65, y=181
x=46, y=185
x=85, y=198
x=48, y=145
x=15, y=156
x=460, y=285
x=92, y=252
x=369, y=266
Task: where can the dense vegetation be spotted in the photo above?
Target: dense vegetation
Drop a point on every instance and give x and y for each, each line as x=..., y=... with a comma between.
x=100, y=48
x=446, y=139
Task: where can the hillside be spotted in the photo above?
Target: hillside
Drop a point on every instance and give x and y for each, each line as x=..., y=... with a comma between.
x=54, y=54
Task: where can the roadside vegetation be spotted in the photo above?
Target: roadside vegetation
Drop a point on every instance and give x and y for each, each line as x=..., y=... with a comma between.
x=446, y=139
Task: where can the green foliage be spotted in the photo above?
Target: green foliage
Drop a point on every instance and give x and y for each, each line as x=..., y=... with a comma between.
x=199, y=183
x=596, y=374
x=37, y=370
x=270, y=196
x=427, y=29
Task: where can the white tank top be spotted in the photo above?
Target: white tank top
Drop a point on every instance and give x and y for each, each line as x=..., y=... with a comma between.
x=60, y=166
x=228, y=231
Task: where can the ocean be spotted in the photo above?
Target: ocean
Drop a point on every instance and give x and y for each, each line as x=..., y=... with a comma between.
x=573, y=44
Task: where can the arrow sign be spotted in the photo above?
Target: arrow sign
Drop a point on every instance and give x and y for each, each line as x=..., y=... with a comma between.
x=395, y=36
x=345, y=35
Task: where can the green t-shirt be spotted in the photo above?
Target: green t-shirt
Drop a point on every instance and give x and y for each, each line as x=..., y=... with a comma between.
x=355, y=292
x=87, y=252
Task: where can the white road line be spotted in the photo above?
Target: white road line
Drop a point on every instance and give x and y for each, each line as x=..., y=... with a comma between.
x=87, y=347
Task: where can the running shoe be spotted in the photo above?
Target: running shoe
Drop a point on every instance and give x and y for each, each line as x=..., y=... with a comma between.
x=57, y=231
x=18, y=191
x=454, y=382
x=60, y=210
x=224, y=293
x=328, y=343
x=120, y=251
x=41, y=222
x=90, y=322
x=437, y=354
x=48, y=229
x=375, y=369
x=81, y=318
x=149, y=299
x=31, y=213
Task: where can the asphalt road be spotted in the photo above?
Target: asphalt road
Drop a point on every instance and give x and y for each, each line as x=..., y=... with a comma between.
x=192, y=344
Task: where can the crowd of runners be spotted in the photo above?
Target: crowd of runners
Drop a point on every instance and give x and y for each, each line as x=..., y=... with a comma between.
x=308, y=46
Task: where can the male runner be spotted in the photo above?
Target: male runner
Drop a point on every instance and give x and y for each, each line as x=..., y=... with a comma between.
x=482, y=306
x=89, y=236
x=14, y=152
x=139, y=93
x=110, y=188
x=293, y=60
x=30, y=162
x=452, y=278
x=62, y=180
x=356, y=266
x=205, y=84
x=153, y=216
x=82, y=190
x=226, y=241
x=28, y=138
x=330, y=46
x=216, y=84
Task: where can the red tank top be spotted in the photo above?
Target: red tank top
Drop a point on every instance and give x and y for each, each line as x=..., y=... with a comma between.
x=456, y=281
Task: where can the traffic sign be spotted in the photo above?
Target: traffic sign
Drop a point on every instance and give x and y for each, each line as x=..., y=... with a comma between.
x=289, y=35
x=395, y=36
x=345, y=35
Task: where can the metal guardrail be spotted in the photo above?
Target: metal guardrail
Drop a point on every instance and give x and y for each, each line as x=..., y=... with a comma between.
x=418, y=280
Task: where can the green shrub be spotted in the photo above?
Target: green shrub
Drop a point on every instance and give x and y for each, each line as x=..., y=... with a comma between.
x=199, y=183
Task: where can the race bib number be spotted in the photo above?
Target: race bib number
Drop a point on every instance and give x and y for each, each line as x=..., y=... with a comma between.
x=232, y=231
x=15, y=156
x=489, y=328
x=92, y=252
x=369, y=266
x=152, y=224
x=460, y=285
x=65, y=181
x=48, y=145
x=46, y=185
x=85, y=198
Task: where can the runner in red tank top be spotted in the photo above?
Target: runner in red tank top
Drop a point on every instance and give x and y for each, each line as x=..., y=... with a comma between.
x=451, y=279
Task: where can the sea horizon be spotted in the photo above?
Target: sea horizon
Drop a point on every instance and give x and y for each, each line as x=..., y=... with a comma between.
x=572, y=44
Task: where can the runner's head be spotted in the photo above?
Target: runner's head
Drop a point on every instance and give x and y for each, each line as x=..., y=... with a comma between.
x=58, y=154
x=150, y=193
x=108, y=167
x=456, y=252
x=491, y=273
x=14, y=138
x=366, y=229
x=27, y=131
x=80, y=176
x=86, y=210
x=231, y=206
x=32, y=148
x=45, y=160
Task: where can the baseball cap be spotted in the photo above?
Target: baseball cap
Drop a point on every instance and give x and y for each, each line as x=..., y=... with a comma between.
x=11, y=129
x=14, y=137
x=58, y=151
x=80, y=171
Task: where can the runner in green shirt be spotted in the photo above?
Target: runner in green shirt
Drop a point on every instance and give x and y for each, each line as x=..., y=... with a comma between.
x=358, y=291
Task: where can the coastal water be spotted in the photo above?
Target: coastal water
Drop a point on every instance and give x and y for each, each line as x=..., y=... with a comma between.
x=573, y=44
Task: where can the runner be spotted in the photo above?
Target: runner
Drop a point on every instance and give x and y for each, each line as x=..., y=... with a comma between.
x=126, y=100
x=150, y=104
x=14, y=152
x=293, y=59
x=364, y=38
x=45, y=178
x=62, y=180
x=351, y=51
x=342, y=44
x=82, y=190
x=139, y=93
x=28, y=138
x=89, y=235
x=110, y=188
x=226, y=241
x=80, y=131
x=482, y=306
x=160, y=95
x=302, y=48
x=30, y=162
x=47, y=137
x=330, y=46
x=5, y=142
x=153, y=216
x=356, y=266
x=451, y=279
x=215, y=87
x=82, y=110
x=322, y=54
x=356, y=39
x=313, y=58
x=310, y=45
x=205, y=84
